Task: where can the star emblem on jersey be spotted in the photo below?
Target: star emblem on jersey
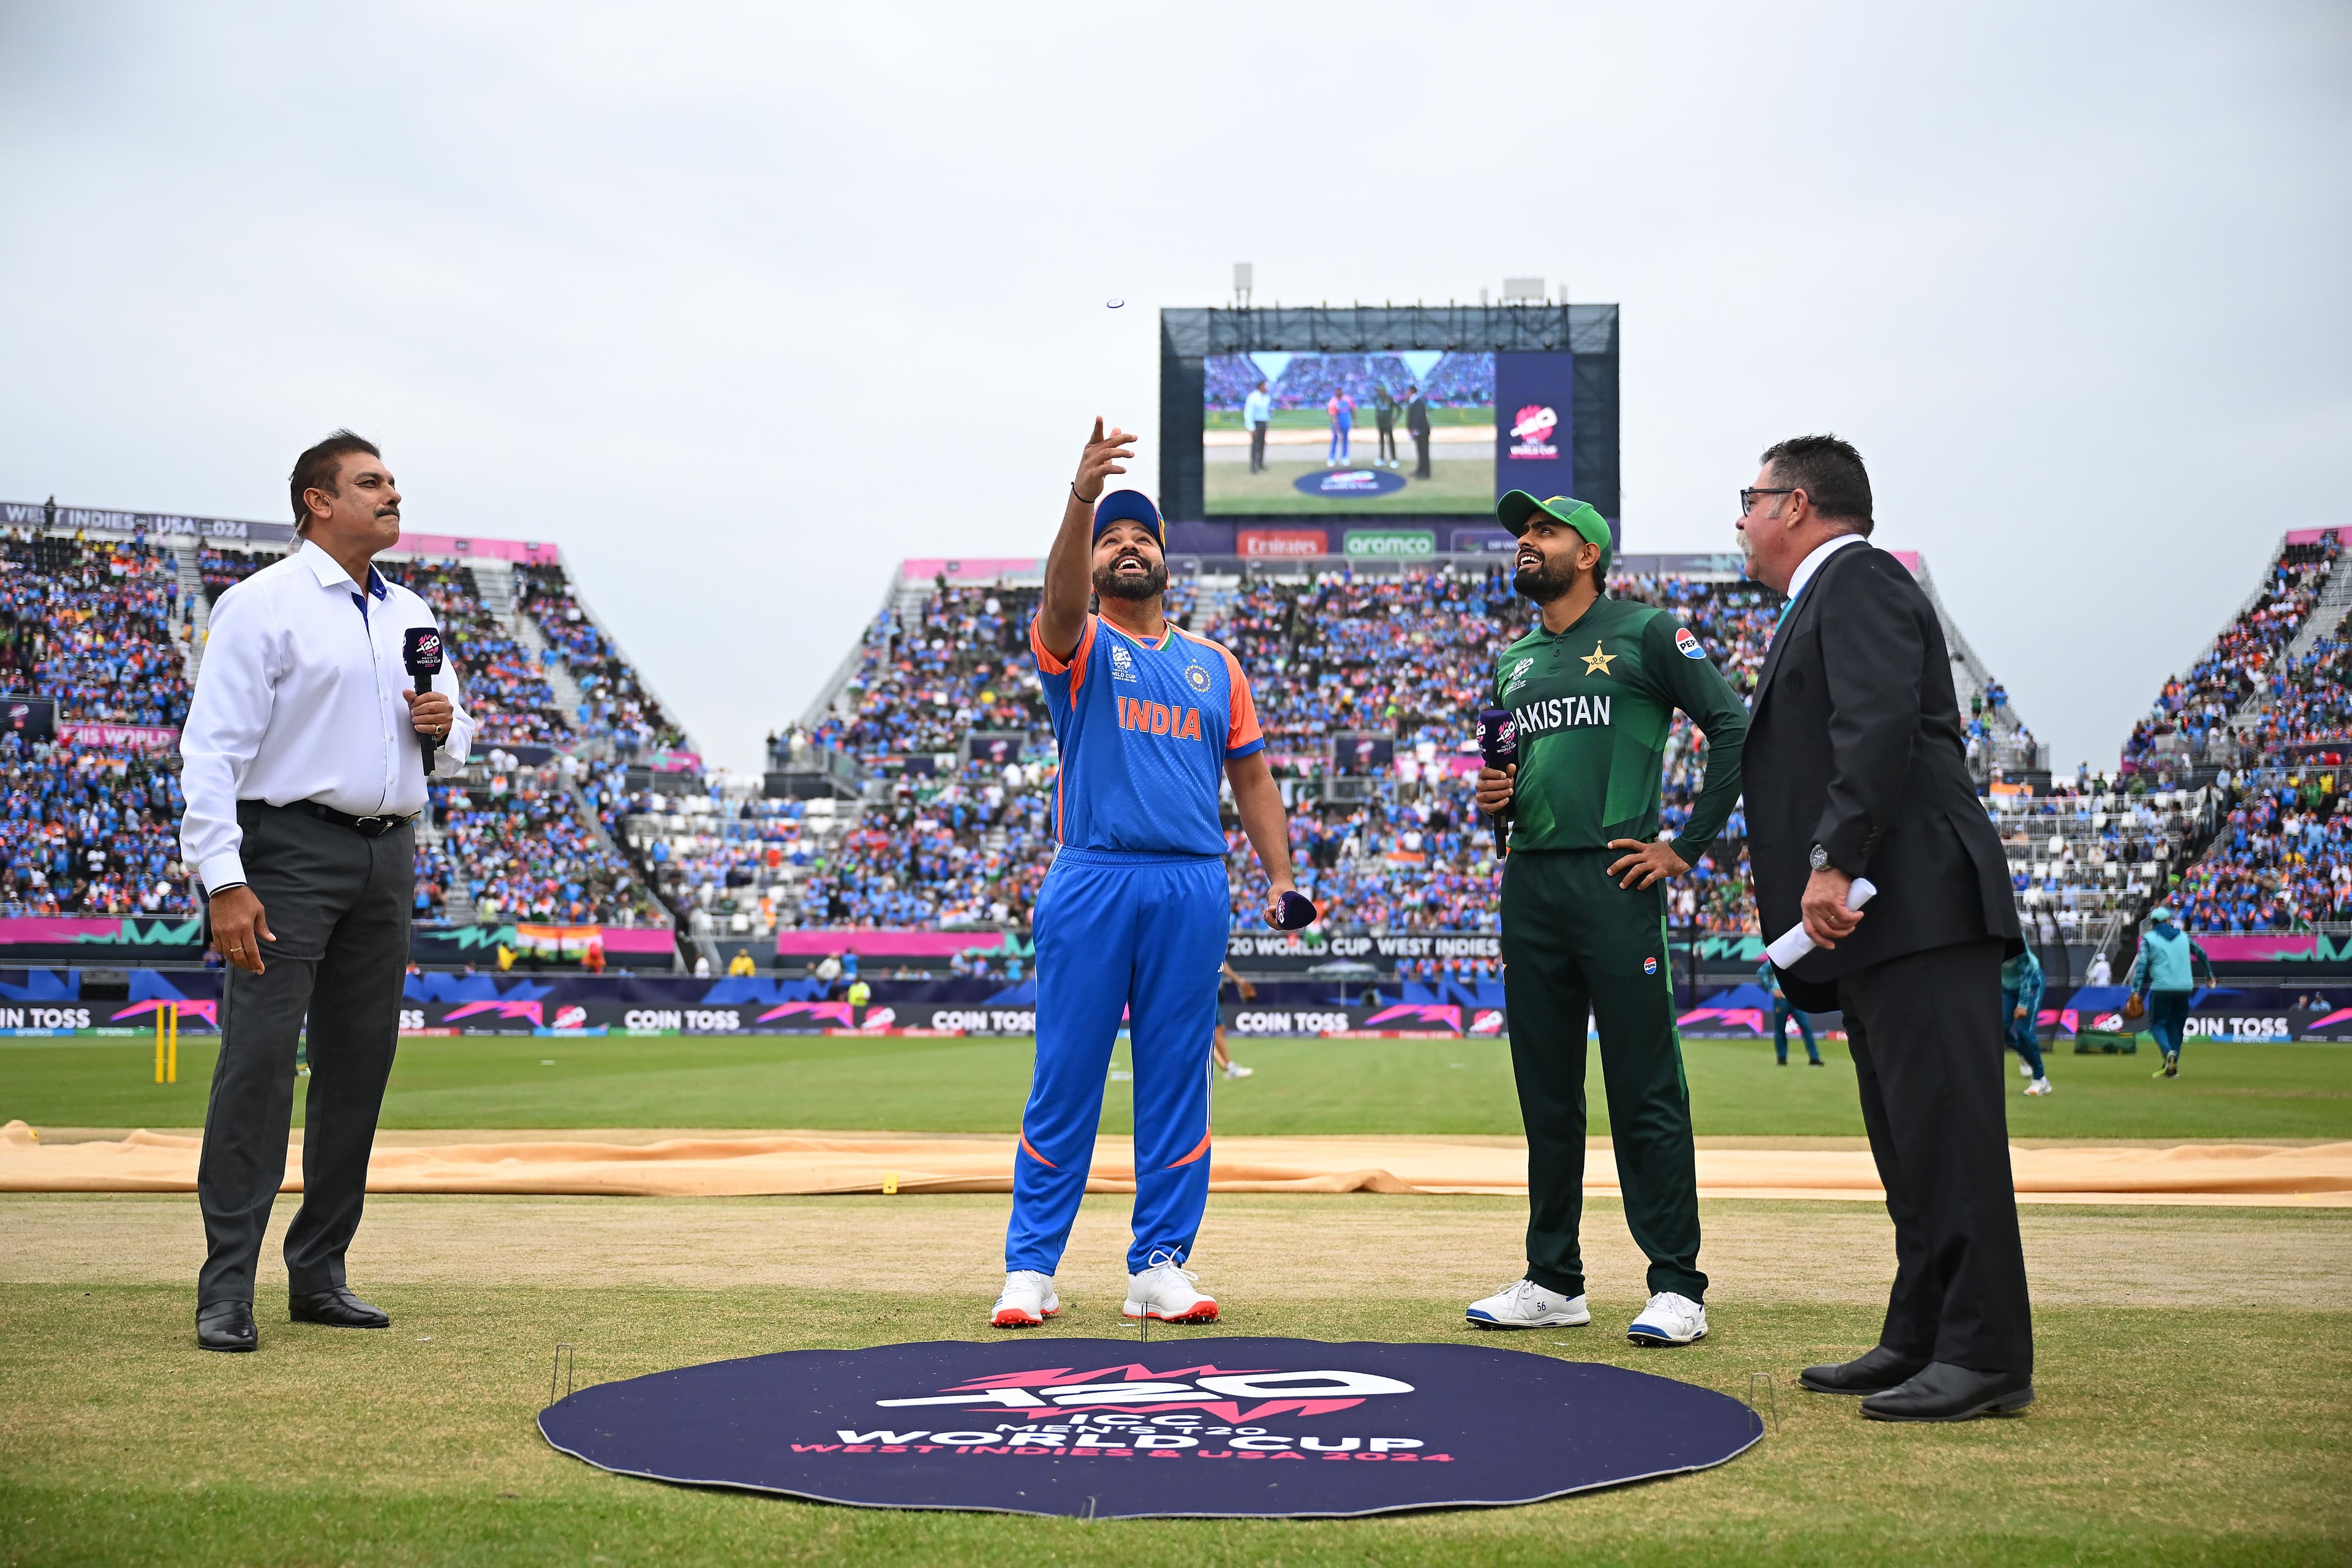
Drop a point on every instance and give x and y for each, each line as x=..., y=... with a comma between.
x=1596, y=662
x=1196, y=678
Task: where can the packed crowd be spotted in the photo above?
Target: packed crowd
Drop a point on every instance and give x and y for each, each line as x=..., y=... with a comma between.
x=514, y=849
x=2186, y=723
x=613, y=704
x=504, y=690
x=93, y=624
x=2282, y=861
x=89, y=832
x=960, y=665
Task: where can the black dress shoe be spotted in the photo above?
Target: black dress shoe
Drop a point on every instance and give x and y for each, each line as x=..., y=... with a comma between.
x=337, y=1309
x=1947, y=1393
x=225, y=1326
x=1874, y=1370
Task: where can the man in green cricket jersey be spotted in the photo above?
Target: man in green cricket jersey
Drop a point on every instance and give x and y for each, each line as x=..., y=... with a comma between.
x=1594, y=689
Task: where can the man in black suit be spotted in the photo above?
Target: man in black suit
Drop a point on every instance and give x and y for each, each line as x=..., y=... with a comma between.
x=1855, y=766
x=1416, y=422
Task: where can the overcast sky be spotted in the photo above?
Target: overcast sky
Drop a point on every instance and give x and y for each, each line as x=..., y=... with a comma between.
x=742, y=304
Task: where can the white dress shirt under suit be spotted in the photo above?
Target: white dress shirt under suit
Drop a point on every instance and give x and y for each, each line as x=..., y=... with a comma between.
x=299, y=698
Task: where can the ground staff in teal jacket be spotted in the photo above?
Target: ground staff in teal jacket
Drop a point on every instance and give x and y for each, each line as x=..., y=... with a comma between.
x=2163, y=976
x=2021, y=1010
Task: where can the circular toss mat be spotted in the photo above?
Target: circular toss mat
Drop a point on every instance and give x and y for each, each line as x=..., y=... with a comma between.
x=1109, y=1428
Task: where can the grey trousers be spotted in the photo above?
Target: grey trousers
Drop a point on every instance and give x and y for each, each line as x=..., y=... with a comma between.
x=338, y=904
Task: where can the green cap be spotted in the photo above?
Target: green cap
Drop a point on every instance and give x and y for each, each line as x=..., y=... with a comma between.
x=1515, y=508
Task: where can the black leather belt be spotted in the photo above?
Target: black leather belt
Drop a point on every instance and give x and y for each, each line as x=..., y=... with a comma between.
x=369, y=826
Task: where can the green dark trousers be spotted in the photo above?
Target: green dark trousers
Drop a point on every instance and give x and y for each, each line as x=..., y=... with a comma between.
x=1577, y=944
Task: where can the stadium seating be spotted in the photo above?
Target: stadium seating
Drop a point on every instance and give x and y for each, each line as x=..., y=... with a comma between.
x=91, y=827
x=608, y=703
x=2242, y=699
x=2281, y=861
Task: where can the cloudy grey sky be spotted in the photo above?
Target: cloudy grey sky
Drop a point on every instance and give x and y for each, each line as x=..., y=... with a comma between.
x=742, y=303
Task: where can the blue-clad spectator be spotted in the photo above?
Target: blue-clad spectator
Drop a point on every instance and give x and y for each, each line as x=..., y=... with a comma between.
x=2162, y=976
x=1769, y=977
x=2020, y=1003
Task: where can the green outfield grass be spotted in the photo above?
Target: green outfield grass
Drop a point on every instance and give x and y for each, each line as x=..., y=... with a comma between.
x=2160, y=1437
x=2225, y=1090
x=1465, y=486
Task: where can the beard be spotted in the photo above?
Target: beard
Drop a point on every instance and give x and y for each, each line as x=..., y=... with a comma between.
x=1111, y=584
x=1542, y=584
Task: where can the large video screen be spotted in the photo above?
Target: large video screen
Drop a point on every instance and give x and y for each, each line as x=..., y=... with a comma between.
x=1410, y=431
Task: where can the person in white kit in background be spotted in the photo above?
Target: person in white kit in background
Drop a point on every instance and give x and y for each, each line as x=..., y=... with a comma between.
x=304, y=771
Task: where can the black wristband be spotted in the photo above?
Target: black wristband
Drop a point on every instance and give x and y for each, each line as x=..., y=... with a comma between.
x=1079, y=498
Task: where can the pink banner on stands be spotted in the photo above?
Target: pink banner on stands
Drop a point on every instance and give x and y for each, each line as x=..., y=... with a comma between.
x=145, y=931
x=1910, y=559
x=677, y=763
x=2259, y=948
x=2314, y=535
x=969, y=568
x=884, y=943
x=529, y=552
x=119, y=737
x=638, y=939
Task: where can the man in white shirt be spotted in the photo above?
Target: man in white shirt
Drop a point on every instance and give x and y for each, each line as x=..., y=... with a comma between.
x=304, y=771
x=1257, y=413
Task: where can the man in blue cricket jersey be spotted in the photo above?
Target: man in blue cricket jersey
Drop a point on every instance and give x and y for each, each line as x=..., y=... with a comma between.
x=1134, y=914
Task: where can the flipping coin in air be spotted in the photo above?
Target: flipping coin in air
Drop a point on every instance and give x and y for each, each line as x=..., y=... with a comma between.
x=1113, y=304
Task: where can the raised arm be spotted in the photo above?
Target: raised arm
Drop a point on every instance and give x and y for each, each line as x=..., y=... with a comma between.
x=1069, y=565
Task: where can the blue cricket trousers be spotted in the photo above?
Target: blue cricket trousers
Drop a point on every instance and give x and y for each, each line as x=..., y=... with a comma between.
x=1143, y=935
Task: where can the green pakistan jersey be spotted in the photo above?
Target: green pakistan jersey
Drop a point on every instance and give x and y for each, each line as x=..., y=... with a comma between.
x=1592, y=705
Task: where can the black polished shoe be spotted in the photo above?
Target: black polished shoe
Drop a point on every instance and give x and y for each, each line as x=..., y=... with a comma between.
x=1873, y=1371
x=1947, y=1393
x=226, y=1326
x=337, y=1309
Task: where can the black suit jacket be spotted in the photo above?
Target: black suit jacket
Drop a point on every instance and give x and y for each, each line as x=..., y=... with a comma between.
x=1855, y=743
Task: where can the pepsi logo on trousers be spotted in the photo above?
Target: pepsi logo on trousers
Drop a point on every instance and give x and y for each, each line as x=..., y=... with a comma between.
x=1201, y=1426
x=1337, y=483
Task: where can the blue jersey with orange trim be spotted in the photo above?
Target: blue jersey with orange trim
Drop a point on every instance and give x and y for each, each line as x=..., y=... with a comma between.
x=1145, y=730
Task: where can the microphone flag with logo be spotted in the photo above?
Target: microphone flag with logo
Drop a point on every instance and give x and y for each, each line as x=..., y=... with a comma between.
x=1499, y=748
x=421, y=652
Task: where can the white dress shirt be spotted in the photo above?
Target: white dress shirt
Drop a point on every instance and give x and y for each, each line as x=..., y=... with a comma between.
x=1811, y=564
x=299, y=698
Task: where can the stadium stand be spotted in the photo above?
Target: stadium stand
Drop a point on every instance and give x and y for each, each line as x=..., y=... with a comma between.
x=2255, y=729
x=91, y=826
x=2239, y=702
x=1362, y=683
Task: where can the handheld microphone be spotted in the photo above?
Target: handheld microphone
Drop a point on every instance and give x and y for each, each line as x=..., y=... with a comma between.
x=1297, y=913
x=421, y=652
x=1498, y=747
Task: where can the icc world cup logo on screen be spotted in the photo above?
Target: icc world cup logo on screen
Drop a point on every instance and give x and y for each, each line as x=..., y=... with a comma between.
x=1531, y=432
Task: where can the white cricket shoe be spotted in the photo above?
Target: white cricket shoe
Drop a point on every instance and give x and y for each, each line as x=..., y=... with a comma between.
x=1524, y=1304
x=1028, y=1301
x=1668, y=1319
x=1235, y=1069
x=1164, y=1291
x=2039, y=1086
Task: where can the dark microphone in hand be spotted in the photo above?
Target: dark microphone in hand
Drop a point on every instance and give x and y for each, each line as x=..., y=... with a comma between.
x=1499, y=748
x=421, y=652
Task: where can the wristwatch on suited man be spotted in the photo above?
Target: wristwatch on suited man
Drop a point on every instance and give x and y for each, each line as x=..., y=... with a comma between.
x=1819, y=859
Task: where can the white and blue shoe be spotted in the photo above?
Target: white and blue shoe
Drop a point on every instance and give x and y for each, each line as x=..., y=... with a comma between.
x=1524, y=1304
x=1027, y=1301
x=1668, y=1319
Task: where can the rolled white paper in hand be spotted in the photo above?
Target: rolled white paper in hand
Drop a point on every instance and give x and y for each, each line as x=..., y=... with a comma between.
x=1795, y=942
